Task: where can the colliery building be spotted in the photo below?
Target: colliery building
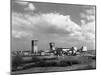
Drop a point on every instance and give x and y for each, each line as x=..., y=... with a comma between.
x=53, y=50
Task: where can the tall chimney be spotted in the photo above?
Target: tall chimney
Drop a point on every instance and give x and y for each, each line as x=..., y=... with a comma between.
x=52, y=45
x=34, y=46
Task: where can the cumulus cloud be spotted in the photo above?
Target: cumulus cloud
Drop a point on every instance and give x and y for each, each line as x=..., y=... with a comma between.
x=20, y=34
x=91, y=11
x=52, y=24
x=19, y=18
x=46, y=23
x=88, y=17
x=20, y=26
x=61, y=21
x=29, y=6
x=89, y=14
x=87, y=32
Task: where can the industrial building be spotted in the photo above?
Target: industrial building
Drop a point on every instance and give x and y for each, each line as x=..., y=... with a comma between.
x=53, y=50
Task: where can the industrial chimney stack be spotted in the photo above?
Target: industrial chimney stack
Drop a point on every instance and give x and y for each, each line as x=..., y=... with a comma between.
x=52, y=45
x=34, y=46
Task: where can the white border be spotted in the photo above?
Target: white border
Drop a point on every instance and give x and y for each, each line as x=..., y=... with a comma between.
x=5, y=37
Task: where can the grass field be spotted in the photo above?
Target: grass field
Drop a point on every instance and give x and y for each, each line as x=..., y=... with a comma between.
x=57, y=63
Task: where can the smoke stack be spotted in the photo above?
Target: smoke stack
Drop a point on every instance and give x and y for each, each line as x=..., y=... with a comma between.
x=52, y=45
x=34, y=46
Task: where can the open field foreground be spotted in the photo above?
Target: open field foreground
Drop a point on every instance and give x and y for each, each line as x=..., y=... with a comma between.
x=61, y=63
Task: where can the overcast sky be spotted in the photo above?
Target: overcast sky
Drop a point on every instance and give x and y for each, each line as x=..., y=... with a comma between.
x=66, y=25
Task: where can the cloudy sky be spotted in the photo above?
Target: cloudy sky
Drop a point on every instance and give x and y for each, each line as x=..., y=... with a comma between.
x=66, y=25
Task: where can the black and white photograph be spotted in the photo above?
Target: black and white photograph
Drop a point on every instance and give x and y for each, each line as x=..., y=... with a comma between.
x=52, y=37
